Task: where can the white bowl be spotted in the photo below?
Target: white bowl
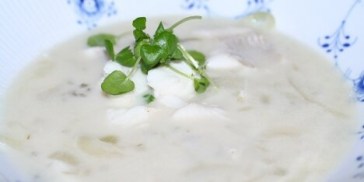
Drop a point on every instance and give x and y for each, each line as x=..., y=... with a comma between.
x=334, y=28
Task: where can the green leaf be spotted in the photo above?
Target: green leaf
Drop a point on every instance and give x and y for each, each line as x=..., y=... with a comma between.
x=109, y=46
x=149, y=98
x=126, y=57
x=139, y=23
x=201, y=84
x=151, y=55
x=198, y=56
x=177, y=55
x=159, y=30
x=98, y=40
x=117, y=83
x=144, y=68
x=140, y=35
x=138, y=46
x=168, y=42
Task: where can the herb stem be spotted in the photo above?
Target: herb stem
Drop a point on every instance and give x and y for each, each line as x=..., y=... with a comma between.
x=189, y=60
x=179, y=72
x=184, y=20
x=134, y=68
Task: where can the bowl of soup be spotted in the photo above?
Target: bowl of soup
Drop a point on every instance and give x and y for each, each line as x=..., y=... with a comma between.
x=188, y=90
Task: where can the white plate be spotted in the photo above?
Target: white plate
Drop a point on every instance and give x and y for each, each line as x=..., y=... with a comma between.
x=332, y=27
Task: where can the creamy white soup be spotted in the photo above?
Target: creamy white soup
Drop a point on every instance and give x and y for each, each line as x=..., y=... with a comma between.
x=275, y=111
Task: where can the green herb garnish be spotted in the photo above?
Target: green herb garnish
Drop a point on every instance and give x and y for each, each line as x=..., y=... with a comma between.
x=149, y=52
x=149, y=98
x=109, y=46
x=126, y=57
x=199, y=57
x=201, y=84
x=117, y=83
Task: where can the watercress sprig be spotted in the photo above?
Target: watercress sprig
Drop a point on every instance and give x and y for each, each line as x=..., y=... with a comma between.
x=149, y=52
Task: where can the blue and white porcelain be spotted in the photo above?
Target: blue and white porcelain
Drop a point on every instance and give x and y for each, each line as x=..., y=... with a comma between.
x=332, y=27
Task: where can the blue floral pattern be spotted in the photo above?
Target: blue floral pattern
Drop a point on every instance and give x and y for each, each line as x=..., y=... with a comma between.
x=251, y=7
x=361, y=133
x=360, y=158
x=360, y=161
x=196, y=4
x=360, y=166
x=91, y=11
x=338, y=42
x=359, y=87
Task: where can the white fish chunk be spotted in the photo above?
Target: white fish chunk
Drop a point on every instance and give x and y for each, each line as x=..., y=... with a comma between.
x=165, y=82
x=223, y=62
x=94, y=52
x=251, y=49
x=126, y=100
x=132, y=98
x=129, y=117
x=196, y=111
x=140, y=81
x=111, y=66
x=171, y=101
x=138, y=77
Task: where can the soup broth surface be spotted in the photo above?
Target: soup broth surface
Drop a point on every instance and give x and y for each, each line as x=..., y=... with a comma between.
x=276, y=111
